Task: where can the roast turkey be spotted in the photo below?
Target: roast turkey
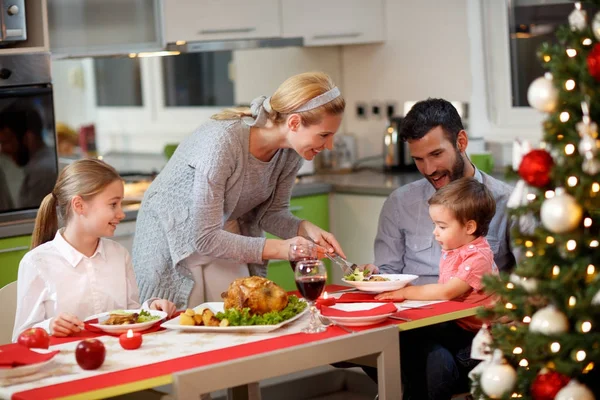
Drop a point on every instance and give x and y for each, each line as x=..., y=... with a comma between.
x=260, y=295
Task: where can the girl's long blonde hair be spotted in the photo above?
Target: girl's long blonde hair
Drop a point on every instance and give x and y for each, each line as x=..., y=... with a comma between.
x=85, y=178
x=291, y=95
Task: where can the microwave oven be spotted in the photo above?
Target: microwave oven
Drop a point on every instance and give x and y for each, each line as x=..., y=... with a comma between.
x=13, y=25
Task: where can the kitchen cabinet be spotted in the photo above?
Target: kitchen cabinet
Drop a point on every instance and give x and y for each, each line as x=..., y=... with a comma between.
x=311, y=208
x=354, y=220
x=334, y=22
x=207, y=20
x=12, y=251
x=36, y=20
x=104, y=27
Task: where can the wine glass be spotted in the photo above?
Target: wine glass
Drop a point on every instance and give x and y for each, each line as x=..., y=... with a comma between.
x=311, y=276
x=301, y=251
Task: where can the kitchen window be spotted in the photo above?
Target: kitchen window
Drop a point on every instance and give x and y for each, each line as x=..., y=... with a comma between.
x=532, y=23
x=511, y=32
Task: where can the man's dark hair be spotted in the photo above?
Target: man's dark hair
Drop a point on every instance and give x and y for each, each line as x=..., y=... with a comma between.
x=428, y=114
x=21, y=118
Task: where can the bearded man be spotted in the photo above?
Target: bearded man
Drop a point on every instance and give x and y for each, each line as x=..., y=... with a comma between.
x=434, y=363
x=437, y=142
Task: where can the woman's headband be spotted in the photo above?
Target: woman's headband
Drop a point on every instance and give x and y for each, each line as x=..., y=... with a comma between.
x=321, y=99
x=261, y=106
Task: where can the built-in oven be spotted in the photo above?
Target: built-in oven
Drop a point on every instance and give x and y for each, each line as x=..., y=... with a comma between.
x=28, y=156
x=13, y=24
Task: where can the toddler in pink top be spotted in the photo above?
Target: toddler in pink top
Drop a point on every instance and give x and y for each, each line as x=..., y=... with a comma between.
x=461, y=212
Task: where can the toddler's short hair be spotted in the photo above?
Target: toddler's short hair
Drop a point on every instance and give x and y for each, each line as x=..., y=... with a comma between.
x=468, y=200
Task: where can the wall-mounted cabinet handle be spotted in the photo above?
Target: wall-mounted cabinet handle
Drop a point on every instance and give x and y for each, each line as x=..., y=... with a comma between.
x=223, y=31
x=348, y=35
x=296, y=208
x=18, y=248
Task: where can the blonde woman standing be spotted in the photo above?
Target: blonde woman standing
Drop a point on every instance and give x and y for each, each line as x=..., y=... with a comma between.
x=202, y=220
x=76, y=272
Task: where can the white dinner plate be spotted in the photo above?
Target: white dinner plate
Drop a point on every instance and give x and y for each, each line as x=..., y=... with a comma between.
x=124, y=328
x=396, y=281
x=216, y=307
x=23, y=370
x=358, y=321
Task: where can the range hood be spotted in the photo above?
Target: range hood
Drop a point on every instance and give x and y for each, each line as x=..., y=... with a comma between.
x=228, y=45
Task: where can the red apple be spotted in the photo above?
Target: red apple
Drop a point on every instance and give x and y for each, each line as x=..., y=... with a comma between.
x=90, y=353
x=34, y=338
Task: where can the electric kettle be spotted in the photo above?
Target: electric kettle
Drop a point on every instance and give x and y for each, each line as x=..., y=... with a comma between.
x=395, y=151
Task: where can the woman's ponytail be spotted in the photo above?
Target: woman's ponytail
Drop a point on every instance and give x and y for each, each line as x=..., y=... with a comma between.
x=46, y=222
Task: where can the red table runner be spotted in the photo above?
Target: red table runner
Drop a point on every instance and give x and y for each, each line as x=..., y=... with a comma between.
x=175, y=365
x=212, y=357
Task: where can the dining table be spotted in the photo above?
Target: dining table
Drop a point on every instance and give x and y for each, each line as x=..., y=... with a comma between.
x=197, y=363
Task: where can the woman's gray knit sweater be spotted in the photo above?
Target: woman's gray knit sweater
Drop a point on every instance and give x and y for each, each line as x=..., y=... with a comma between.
x=185, y=208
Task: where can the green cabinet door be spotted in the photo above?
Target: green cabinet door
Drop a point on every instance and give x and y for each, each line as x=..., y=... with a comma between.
x=311, y=208
x=11, y=251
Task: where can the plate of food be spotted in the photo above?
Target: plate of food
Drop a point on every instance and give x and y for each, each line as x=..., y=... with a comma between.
x=377, y=283
x=252, y=304
x=120, y=321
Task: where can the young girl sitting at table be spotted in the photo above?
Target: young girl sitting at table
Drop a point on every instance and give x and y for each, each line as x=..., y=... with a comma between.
x=461, y=212
x=75, y=272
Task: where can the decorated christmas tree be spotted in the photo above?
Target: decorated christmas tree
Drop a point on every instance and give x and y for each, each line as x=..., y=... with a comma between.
x=544, y=341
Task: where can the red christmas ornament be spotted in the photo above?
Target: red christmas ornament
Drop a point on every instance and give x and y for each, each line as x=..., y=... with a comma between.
x=593, y=62
x=535, y=168
x=545, y=386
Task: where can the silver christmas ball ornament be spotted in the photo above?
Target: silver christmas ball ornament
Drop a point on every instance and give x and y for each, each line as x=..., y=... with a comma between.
x=561, y=213
x=549, y=321
x=596, y=26
x=498, y=378
x=574, y=391
x=542, y=95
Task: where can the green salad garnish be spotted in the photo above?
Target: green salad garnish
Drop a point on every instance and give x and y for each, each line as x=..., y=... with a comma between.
x=358, y=275
x=143, y=315
x=243, y=317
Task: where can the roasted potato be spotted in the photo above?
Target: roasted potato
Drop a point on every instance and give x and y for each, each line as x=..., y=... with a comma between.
x=190, y=312
x=209, y=319
x=185, y=319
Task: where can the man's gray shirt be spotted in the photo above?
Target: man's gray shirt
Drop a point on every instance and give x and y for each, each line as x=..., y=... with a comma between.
x=405, y=242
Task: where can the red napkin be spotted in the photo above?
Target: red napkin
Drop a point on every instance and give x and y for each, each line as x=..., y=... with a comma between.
x=380, y=310
x=360, y=298
x=15, y=355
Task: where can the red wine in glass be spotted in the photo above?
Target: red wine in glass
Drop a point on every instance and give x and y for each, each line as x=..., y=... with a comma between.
x=311, y=287
x=311, y=276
